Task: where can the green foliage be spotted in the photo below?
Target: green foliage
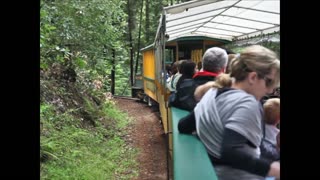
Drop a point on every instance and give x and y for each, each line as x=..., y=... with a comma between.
x=263, y=40
x=273, y=46
x=72, y=152
x=81, y=34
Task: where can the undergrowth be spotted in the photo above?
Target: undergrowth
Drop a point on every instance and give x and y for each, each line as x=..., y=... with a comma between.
x=70, y=150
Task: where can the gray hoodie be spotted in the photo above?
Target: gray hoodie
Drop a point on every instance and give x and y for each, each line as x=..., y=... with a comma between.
x=236, y=110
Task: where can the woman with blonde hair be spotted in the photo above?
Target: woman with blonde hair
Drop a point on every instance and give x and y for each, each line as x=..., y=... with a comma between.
x=228, y=120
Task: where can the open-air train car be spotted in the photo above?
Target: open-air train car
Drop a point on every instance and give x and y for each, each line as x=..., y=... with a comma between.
x=187, y=30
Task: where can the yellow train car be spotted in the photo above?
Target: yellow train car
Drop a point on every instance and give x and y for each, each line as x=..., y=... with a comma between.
x=154, y=73
x=149, y=81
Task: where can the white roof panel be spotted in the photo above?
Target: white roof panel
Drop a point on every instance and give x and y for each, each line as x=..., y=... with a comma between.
x=184, y=19
x=227, y=19
x=229, y=27
x=266, y=5
x=217, y=31
x=241, y=22
x=175, y=27
x=253, y=15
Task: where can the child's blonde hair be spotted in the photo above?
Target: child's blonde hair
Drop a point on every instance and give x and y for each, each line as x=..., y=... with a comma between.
x=223, y=80
x=272, y=111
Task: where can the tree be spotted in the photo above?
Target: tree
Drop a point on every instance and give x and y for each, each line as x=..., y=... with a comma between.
x=130, y=27
x=139, y=40
x=81, y=34
x=147, y=31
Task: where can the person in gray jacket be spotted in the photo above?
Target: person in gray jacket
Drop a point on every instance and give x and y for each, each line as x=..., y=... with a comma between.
x=229, y=120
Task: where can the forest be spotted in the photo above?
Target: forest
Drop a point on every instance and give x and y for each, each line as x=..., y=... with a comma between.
x=88, y=51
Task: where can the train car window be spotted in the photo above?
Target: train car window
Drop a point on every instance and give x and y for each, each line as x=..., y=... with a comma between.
x=170, y=54
x=185, y=48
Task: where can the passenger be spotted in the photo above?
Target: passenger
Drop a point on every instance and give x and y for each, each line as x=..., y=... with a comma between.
x=171, y=83
x=230, y=58
x=199, y=65
x=187, y=70
x=272, y=119
x=187, y=124
x=179, y=73
x=229, y=119
x=184, y=87
x=214, y=61
x=224, y=78
x=269, y=149
x=169, y=71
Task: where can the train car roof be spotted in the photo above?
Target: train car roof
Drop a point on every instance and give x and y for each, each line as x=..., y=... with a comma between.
x=222, y=19
x=147, y=47
x=188, y=37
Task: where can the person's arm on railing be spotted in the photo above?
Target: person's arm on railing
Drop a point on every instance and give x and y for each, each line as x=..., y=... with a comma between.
x=187, y=124
x=232, y=154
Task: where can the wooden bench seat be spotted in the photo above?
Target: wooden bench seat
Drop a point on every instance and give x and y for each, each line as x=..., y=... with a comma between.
x=190, y=158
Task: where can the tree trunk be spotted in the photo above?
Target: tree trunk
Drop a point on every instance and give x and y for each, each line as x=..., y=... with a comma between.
x=130, y=42
x=147, y=22
x=138, y=49
x=113, y=71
